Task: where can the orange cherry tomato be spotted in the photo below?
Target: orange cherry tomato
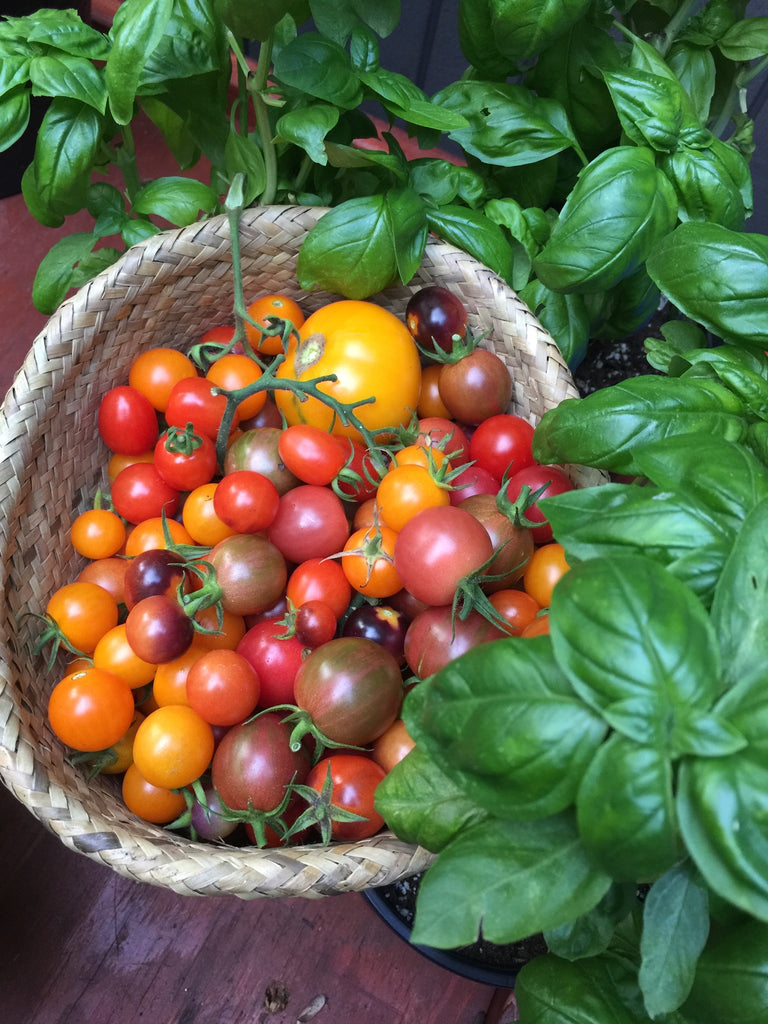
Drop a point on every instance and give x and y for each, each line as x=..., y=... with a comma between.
x=173, y=746
x=151, y=803
x=97, y=533
x=516, y=608
x=170, y=685
x=83, y=612
x=225, y=635
x=545, y=567
x=200, y=519
x=108, y=573
x=234, y=371
x=392, y=746
x=91, y=709
x=406, y=490
x=430, y=402
x=369, y=561
x=119, y=462
x=149, y=534
x=371, y=354
x=122, y=751
x=280, y=306
x=113, y=653
x=539, y=626
x=155, y=372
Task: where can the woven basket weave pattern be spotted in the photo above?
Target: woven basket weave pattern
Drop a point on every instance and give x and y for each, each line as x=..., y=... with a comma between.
x=168, y=291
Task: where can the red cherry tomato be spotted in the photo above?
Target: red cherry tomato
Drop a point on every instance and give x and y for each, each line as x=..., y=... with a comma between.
x=127, y=421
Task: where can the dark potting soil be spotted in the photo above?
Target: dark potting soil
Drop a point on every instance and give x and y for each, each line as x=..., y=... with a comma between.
x=608, y=362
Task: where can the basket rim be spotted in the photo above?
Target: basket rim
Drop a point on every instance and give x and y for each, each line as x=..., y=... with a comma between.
x=20, y=766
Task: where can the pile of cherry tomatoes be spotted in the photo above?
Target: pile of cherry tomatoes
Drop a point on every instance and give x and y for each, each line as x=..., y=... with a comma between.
x=302, y=521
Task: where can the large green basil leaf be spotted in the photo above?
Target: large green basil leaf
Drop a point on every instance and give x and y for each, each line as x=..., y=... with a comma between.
x=722, y=807
x=591, y=933
x=14, y=116
x=175, y=199
x=731, y=983
x=625, y=810
x=357, y=248
x=66, y=148
x=740, y=619
x=504, y=724
x=54, y=275
x=307, y=127
x=321, y=68
x=649, y=107
x=675, y=931
x=475, y=234
x=616, y=627
x=717, y=277
x=194, y=43
x=564, y=316
x=694, y=68
x=606, y=429
x=507, y=124
x=743, y=371
x=404, y=99
x=685, y=537
x=591, y=991
x=745, y=40
x=523, y=28
x=477, y=40
x=137, y=29
x=64, y=75
x=619, y=208
x=711, y=184
x=422, y=805
x=569, y=71
x=506, y=880
x=67, y=32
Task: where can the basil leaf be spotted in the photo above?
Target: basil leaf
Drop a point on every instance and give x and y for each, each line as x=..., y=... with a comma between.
x=711, y=184
x=505, y=725
x=601, y=522
x=357, y=248
x=422, y=805
x=625, y=810
x=54, y=275
x=675, y=931
x=66, y=149
x=14, y=116
x=619, y=208
x=627, y=664
x=307, y=127
x=63, y=75
x=731, y=982
x=475, y=234
x=506, y=124
x=564, y=316
x=477, y=39
x=694, y=67
x=523, y=28
x=739, y=619
x=193, y=44
x=717, y=277
x=606, y=429
x=633, y=301
x=514, y=879
x=321, y=68
x=437, y=181
x=590, y=991
x=175, y=131
x=178, y=200
x=137, y=29
x=64, y=30
x=256, y=19
x=14, y=72
x=243, y=156
x=381, y=15
x=649, y=107
x=745, y=40
x=591, y=933
x=404, y=99
x=721, y=806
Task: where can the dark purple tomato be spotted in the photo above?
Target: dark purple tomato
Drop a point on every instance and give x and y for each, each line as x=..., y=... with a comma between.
x=381, y=623
x=351, y=688
x=256, y=450
x=250, y=571
x=436, y=637
x=151, y=572
x=208, y=820
x=158, y=629
x=315, y=623
x=254, y=763
x=435, y=316
x=476, y=386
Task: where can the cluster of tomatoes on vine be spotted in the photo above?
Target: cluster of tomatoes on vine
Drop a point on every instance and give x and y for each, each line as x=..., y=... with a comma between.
x=304, y=518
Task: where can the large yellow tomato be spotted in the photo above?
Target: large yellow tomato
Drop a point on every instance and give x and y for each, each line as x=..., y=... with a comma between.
x=372, y=355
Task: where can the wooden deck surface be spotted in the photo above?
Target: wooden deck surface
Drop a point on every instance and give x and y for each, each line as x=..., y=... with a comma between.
x=81, y=943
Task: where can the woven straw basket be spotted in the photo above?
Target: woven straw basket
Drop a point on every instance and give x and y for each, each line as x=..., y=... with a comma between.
x=167, y=291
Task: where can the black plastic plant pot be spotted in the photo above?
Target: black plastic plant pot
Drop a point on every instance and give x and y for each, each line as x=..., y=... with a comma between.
x=483, y=961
